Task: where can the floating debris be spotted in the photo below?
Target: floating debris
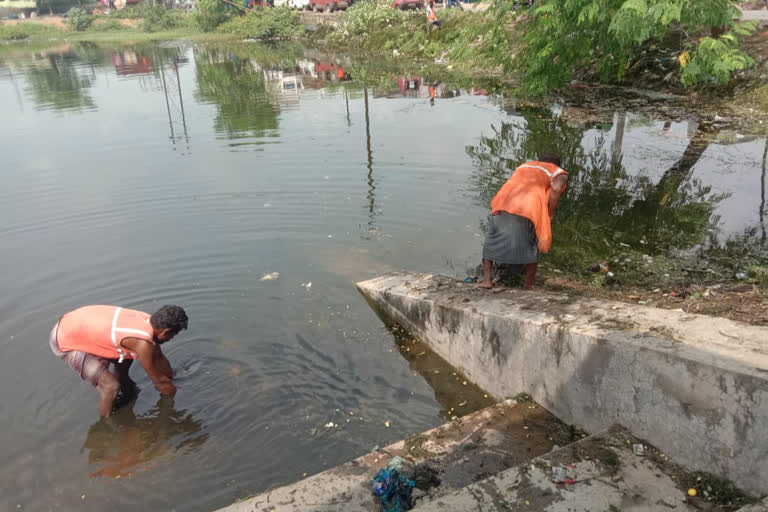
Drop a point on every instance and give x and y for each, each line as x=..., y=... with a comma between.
x=386, y=423
x=270, y=277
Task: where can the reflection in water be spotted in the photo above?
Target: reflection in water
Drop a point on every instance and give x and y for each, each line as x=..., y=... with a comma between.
x=453, y=392
x=605, y=204
x=125, y=442
x=237, y=87
x=174, y=103
x=58, y=83
x=371, y=182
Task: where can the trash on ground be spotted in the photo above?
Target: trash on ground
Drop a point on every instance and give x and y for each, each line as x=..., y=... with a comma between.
x=639, y=449
x=393, y=488
x=394, y=483
x=330, y=424
x=270, y=277
x=564, y=474
x=692, y=492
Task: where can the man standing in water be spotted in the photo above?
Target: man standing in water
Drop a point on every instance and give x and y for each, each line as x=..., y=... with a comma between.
x=88, y=339
x=521, y=212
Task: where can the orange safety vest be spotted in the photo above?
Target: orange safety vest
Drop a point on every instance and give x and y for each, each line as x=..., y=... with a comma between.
x=431, y=14
x=526, y=193
x=100, y=330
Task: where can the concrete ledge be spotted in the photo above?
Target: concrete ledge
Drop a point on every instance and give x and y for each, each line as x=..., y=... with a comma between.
x=464, y=451
x=605, y=475
x=694, y=386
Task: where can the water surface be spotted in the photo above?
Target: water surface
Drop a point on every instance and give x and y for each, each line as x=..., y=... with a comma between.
x=145, y=175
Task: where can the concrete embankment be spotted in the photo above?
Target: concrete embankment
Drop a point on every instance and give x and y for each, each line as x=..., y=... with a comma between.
x=694, y=386
x=462, y=452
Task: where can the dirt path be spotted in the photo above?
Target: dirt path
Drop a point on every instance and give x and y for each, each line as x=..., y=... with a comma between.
x=55, y=21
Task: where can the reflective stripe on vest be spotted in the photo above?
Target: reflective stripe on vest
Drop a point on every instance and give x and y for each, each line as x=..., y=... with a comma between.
x=552, y=175
x=126, y=330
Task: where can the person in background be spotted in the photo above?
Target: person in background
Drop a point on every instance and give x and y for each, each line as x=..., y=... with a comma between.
x=519, y=227
x=91, y=338
x=432, y=20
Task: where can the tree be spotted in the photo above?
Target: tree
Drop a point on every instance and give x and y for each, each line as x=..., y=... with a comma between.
x=607, y=37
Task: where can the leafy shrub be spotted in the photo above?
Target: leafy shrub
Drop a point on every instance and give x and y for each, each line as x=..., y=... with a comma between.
x=717, y=59
x=564, y=36
x=79, y=19
x=108, y=25
x=370, y=15
x=275, y=23
x=133, y=12
x=210, y=14
x=158, y=19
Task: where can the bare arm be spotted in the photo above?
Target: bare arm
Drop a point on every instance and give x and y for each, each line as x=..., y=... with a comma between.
x=558, y=187
x=146, y=354
x=161, y=362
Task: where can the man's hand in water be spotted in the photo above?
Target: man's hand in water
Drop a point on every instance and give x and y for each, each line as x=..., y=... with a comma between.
x=159, y=374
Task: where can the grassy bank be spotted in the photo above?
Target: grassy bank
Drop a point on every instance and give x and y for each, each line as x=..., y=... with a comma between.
x=155, y=24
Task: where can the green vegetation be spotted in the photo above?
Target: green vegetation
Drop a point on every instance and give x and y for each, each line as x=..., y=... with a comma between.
x=604, y=40
x=78, y=19
x=264, y=24
x=26, y=30
x=240, y=93
x=684, y=42
x=652, y=223
x=59, y=6
x=158, y=19
x=108, y=25
x=210, y=14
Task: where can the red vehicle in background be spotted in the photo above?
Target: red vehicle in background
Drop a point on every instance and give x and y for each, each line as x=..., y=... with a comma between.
x=328, y=5
x=408, y=4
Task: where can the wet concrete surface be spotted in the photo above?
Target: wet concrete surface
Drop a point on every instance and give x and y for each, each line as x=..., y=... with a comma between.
x=464, y=451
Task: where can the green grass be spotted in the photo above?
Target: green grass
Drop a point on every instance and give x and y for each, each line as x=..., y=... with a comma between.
x=28, y=30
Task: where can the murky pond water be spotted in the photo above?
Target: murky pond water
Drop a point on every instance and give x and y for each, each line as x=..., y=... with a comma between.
x=144, y=175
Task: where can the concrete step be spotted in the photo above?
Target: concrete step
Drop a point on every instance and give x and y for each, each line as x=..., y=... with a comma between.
x=606, y=475
x=693, y=385
x=465, y=450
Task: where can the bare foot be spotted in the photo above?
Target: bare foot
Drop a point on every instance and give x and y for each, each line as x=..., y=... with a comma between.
x=485, y=285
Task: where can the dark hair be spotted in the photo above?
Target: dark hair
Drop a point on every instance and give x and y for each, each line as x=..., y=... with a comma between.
x=169, y=317
x=550, y=158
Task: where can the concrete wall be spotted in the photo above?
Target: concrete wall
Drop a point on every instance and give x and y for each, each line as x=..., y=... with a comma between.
x=694, y=386
x=319, y=18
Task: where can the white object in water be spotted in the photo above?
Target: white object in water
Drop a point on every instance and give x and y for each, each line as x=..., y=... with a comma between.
x=270, y=277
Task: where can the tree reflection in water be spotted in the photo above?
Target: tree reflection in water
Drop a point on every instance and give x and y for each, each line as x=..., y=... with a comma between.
x=606, y=209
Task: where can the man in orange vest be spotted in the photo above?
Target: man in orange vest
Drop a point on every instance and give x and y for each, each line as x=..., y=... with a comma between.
x=519, y=228
x=91, y=338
